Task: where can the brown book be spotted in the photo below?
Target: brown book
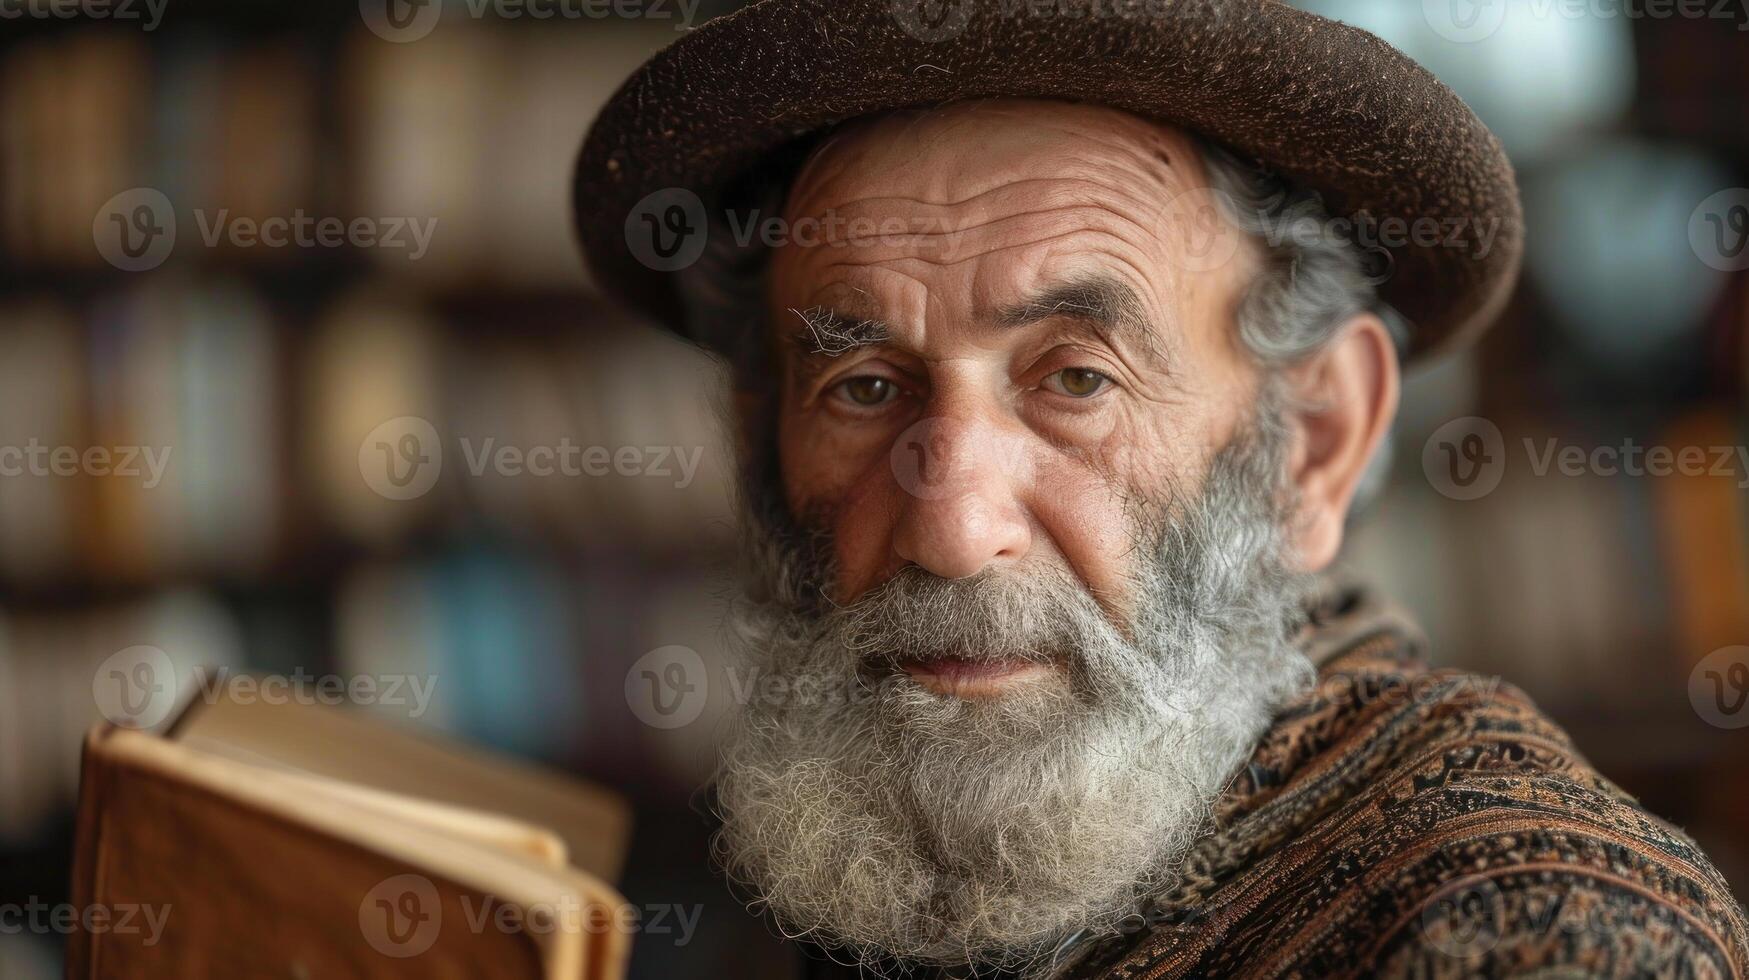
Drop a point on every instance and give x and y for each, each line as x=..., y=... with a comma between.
x=297, y=840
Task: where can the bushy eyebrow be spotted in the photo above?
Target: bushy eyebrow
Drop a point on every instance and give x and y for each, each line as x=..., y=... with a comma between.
x=1110, y=306
x=827, y=332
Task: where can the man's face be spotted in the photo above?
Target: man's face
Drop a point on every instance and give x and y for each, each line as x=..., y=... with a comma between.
x=1021, y=604
x=1048, y=346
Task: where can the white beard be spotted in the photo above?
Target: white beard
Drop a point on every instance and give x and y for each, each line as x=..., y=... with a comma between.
x=883, y=820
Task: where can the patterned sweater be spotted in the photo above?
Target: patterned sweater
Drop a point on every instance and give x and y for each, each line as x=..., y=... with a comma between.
x=1409, y=822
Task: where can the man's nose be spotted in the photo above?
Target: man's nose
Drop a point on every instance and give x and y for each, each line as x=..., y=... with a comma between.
x=960, y=510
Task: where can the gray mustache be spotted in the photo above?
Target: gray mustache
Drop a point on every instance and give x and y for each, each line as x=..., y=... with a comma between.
x=1036, y=615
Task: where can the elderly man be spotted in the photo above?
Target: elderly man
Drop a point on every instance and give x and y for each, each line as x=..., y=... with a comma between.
x=1064, y=345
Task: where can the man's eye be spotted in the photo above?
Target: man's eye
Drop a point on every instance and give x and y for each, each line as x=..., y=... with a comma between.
x=868, y=391
x=1077, y=382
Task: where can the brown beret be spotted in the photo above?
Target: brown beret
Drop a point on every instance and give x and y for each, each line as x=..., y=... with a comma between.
x=1329, y=106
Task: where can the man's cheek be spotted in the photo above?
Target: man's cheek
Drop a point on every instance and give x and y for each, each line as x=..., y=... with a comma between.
x=862, y=537
x=824, y=467
x=1127, y=460
x=1089, y=521
x=1159, y=456
x=845, y=491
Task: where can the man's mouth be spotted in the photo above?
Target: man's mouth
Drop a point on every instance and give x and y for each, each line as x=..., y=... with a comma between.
x=975, y=678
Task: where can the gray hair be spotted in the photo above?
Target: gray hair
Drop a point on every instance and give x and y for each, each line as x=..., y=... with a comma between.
x=1313, y=279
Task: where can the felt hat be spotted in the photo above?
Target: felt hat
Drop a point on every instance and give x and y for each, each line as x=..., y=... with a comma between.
x=1390, y=148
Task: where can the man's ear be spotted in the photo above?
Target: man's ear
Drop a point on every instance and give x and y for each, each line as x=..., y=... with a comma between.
x=1343, y=400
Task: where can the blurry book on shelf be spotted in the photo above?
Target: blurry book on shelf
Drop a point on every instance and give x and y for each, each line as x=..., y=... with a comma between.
x=266, y=144
x=429, y=138
x=232, y=430
x=1704, y=518
x=74, y=113
x=416, y=119
x=306, y=840
x=184, y=385
x=42, y=407
x=495, y=637
x=370, y=410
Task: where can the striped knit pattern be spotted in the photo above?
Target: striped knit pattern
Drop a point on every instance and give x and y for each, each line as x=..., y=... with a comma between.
x=1410, y=822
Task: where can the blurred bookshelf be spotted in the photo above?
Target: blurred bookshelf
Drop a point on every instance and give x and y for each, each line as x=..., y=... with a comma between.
x=263, y=370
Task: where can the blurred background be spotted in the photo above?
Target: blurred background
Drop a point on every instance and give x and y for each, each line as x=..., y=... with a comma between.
x=266, y=371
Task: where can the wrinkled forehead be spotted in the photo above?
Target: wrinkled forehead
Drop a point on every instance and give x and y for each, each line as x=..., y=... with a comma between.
x=978, y=206
x=958, y=150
